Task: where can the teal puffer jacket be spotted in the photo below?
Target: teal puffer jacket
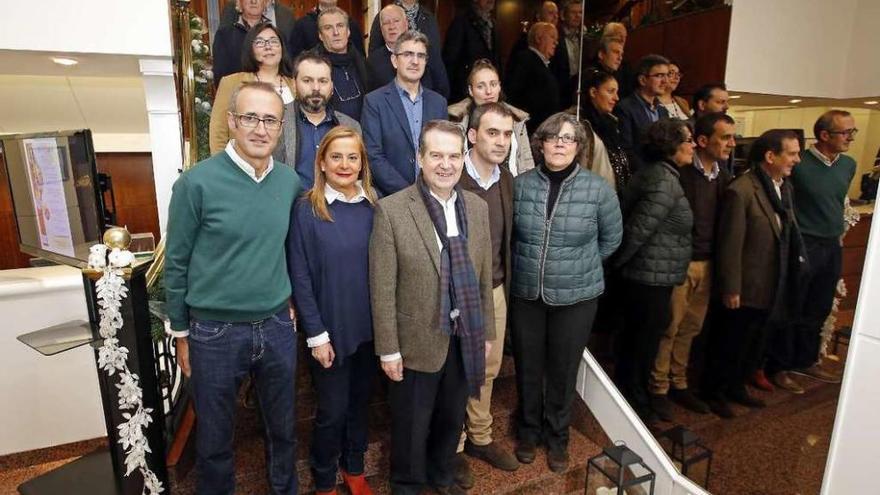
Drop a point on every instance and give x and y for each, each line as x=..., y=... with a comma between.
x=560, y=260
x=656, y=246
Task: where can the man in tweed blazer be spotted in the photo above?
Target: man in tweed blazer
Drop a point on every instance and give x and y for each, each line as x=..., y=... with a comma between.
x=431, y=360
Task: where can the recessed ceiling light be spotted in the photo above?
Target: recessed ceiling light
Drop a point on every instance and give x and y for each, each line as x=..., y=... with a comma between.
x=735, y=97
x=795, y=100
x=64, y=61
x=872, y=102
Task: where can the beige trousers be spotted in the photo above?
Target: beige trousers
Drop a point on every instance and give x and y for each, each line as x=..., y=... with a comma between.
x=689, y=303
x=478, y=425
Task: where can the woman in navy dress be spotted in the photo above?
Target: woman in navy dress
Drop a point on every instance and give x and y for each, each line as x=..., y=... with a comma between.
x=328, y=264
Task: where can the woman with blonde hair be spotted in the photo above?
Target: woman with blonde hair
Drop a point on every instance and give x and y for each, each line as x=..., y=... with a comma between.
x=328, y=264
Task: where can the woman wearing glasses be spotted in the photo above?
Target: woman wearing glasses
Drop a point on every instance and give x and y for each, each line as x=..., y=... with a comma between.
x=327, y=259
x=653, y=257
x=675, y=105
x=566, y=221
x=484, y=86
x=263, y=59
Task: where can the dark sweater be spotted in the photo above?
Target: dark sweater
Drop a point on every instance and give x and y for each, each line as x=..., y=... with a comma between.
x=556, y=177
x=531, y=85
x=493, y=199
x=226, y=52
x=704, y=197
x=225, y=243
x=819, y=191
x=328, y=265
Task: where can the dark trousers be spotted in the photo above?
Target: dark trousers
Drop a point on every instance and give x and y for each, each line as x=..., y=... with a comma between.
x=548, y=342
x=645, y=321
x=221, y=356
x=427, y=414
x=340, y=430
x=735, y=350
x=818, y=287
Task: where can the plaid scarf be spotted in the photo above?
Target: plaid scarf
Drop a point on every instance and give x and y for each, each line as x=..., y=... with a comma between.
x=461, y=311
x=412, y=14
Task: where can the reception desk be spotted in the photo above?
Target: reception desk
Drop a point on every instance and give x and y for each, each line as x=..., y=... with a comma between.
x=47, y=400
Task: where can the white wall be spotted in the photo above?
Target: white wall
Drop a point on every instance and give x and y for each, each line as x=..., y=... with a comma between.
x=134, y=27
x=816, y=48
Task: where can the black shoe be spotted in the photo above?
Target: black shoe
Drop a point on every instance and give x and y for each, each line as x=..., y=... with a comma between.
x=743, y=397
x=461, y=472
x=720, y=407
x=557, y=460
x=525, y=452
x=686, y=399
x=452, y=489
x=493, y=454
x=661, y=405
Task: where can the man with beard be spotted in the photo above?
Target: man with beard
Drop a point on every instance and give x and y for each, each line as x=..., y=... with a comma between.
x=395, y=114
x=309, y=116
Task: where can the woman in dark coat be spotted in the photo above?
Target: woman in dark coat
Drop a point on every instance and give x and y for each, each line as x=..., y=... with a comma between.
x=653, y=257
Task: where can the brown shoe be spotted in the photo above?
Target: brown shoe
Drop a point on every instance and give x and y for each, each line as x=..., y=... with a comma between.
x=784, y=381
x=557, y=460
x=525, y=452
x=462, y=472
x=817, y=373
x=493, y=454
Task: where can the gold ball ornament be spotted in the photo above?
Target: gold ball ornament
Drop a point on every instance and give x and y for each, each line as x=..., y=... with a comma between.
x=117, y=238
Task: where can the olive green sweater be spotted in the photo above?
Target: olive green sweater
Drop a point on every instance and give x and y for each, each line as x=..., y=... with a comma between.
x=225, y=245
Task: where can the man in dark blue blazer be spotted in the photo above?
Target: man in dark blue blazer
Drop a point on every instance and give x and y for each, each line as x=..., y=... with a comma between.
x=393, y=116
x=642, y=108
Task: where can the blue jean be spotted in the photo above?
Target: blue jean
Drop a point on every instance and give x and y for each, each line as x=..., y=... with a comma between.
x=222, y=354
x=340, y=432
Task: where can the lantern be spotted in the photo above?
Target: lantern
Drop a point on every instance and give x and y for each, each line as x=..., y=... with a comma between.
x=618, y=471
x=688, y=452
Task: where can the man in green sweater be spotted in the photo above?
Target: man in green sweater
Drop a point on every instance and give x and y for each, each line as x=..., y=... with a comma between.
x=228, y=292
x=821, y=182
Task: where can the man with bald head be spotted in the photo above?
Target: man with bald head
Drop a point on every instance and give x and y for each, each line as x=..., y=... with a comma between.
x=548, y=13
x=393, y=21
x=420, y=19
x=531, y=85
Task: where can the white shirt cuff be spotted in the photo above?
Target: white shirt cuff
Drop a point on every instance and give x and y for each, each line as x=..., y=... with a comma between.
x=175, y=333
x=387, y=358
x=317, y=340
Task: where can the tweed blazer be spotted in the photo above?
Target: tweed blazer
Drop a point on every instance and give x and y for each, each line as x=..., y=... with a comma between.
x=405, y=277
x=748, y=244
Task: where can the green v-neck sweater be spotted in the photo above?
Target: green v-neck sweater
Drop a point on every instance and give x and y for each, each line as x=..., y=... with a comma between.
x=819, y=191
x=225, y=244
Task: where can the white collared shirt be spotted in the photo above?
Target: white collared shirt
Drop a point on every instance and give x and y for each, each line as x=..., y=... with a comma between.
x=822, y=158
x=245, y=166
x=332, y=195
x=711, y=175
x=451, y=231
x=472, y=171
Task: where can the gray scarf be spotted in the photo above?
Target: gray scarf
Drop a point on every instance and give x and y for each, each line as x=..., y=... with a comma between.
x=412, y=13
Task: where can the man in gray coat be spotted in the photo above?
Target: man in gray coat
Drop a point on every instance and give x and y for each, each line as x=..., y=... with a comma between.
x=433, y=316
x=308, y=117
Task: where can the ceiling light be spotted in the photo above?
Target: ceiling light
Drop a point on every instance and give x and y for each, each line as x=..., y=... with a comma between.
x=64, y=61
x=735, y=97
x=795, y=100
x=872, y=102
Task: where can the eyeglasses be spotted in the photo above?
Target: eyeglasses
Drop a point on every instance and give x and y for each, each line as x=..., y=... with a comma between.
x=847, y=132
x=659, y=75
x=675, y=74
x=274, y=42
x=252, y=121
x=409, y=55
x=565, y=138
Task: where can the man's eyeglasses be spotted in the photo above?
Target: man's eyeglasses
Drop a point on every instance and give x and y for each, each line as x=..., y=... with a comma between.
x=274, y=42
x=252, y=121
x=847, y=132
x=408, y=55
x=659, y=75
x=565, y=138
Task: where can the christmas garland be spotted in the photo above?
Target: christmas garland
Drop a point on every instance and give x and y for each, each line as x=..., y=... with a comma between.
x=112, y=356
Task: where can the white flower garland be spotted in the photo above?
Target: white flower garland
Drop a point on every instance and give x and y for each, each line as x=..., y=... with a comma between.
x=850, y=218
x=112, y=357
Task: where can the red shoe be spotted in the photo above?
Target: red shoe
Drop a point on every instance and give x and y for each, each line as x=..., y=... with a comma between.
x=326, y=492
x=357, y=484
x=760, y=382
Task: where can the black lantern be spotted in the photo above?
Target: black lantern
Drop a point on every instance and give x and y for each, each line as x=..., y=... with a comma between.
x=688, y=452
x=618, y=470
